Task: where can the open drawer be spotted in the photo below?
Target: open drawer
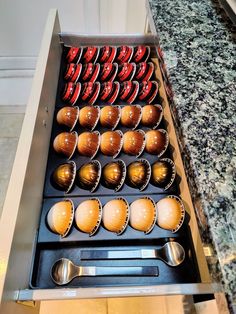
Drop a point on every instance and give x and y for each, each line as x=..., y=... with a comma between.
x=22, y=208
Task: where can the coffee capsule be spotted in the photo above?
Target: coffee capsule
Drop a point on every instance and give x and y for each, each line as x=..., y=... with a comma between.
x=88, y=216
x=111, y=143
x=138, y=174
x=63, y=176
x=107, y=54
x=113, y=175
x=89, y=117
x=124, y=54
x=152, y=116
x=156, y=142
x=115, y=215
x=60, y=217
x=71, y=92
x=110, y=116
x=72, y=54
x=108, y=72
x=134, y=142
x=73, y=72
x=126, y=71
x=170, y=213
x=141, y=53
x=88, y=143
x=148, y=91
x=65, y=143
x=143, y=214
x=90, y=54
x=131, y=116
x=90, y=72
x=163, y=173
x=129, y=91
x=88, y=175
x=144, y=71
x=68, y=116
x=90, y=92
x=109, y=92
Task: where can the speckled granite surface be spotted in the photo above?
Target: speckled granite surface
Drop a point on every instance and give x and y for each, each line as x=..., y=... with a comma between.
x=200, y=54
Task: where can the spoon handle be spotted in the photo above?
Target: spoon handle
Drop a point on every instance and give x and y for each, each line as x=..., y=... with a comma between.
x=118, y=271
x=117, y=254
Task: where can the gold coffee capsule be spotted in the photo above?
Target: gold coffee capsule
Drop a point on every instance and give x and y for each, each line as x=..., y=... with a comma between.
x=110, y=116
x=163, y=173
x=115, y=215
x=152, y=115
x=88, y=143
x=170, y=213
x=68, y=116
x=156, y=142
x=143, y=214
x=131, y=116
x=65, y=143
x=88, y=176
x=60, y=217
x=138, y=174
x=88, y=216
x=111, y=143
x=134, y=142
x=89, y=116
x=113, y=175
x=63, y=176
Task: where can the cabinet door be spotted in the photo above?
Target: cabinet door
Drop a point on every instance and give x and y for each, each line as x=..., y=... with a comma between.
x=19, y=221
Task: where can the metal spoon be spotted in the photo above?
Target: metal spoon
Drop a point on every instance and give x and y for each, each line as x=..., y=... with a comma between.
x=63, y=271
x=172, y=253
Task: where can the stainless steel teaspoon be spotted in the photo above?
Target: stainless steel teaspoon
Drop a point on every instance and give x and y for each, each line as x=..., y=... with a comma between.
x=63, y=271
x=172, y=253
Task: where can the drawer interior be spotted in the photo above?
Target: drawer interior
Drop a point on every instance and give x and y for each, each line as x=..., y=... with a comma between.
x=51, y=247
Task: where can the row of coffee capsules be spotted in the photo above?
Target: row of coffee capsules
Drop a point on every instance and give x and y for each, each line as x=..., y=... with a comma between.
x=90, y=72
x=109, y=92
x=106, y=54
x=116, y=214
x=111, y=143
x=110, y=116
x=114, y=174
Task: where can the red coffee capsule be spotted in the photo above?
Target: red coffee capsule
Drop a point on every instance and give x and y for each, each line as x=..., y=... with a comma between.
x=141, y=53
x=90, y=92
x=126, y=71
x=148, y=91
x=90, y=72
x=72, y=72
x=107, y=54
x=90, y=54
x=144, y=71
x=109, y=91
x=67, y=92
x=73, y=54
x=75, y=94
x=108, y=72
x=129, y=91
x=124, y=54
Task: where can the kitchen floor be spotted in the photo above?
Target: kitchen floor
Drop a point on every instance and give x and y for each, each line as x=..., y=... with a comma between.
x=11, y=119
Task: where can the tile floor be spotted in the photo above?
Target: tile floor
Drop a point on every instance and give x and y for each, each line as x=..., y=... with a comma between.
x=11, y=118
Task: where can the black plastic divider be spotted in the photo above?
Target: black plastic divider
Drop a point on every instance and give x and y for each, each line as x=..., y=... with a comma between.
x=48, y=254
x=51, y=247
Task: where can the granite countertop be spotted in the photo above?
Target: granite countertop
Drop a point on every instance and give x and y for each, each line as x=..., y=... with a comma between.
x=199, y=46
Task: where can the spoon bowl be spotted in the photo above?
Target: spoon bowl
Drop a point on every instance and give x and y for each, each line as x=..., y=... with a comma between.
x=172, y=253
